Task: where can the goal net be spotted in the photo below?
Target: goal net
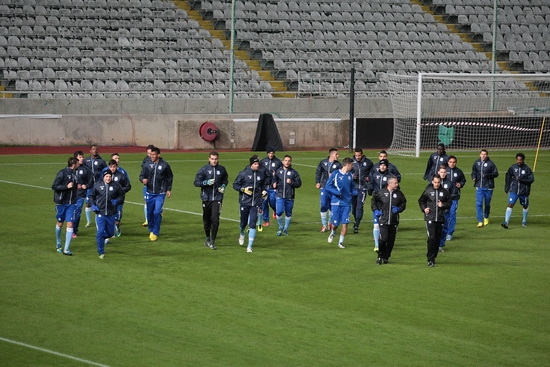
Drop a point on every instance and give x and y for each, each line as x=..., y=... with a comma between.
x=469, y=111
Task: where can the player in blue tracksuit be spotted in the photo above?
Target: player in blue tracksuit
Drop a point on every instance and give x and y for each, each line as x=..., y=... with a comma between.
x=435, y=160
x=324, y=170
x=65, y=197
x=121, y=177
x=457, y=177
x=212, y=179
x=517, y=185
x=95, y=164
x=84, y=182
x=157, y=175
x=285, y=182
x=145, y=161
x=104, y=199
x=271, y=163
x=484, y=172
x=361, y=176
x=341, y=188
x=251, y=184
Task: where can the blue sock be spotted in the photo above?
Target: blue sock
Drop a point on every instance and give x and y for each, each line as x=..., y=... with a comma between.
x=324, y=219
x=68, y=237
x=58, y=235
x=145, y=211
x=525, y=211
x=287, y=223
x=88, y=212
x=376, y=234
x=280, y=222
x=508, y=215
x=251, y=236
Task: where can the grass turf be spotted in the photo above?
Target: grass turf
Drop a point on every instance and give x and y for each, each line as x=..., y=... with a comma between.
x=296, y=300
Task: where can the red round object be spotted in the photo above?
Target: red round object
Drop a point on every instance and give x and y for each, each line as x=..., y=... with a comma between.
x=209, y=131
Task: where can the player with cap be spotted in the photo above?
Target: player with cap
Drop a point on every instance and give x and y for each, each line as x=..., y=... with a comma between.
x=251, y=185
x=105, y=197
x=378, y=181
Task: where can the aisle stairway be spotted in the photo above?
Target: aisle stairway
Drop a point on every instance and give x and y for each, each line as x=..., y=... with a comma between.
x=266, y=75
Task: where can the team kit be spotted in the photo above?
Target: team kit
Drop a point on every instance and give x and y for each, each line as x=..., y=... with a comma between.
x=270, y=183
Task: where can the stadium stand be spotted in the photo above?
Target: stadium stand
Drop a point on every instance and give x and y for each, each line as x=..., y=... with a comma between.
x=181, y=49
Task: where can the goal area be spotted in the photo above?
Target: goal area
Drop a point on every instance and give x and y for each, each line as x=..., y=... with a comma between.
x=469, y=111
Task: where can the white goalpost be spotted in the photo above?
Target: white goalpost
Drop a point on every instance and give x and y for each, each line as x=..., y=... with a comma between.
x=469, y=111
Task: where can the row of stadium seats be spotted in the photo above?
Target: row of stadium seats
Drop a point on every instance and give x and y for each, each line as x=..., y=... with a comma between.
x=153, y=43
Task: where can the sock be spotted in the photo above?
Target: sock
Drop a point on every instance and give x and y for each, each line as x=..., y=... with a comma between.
x=57, y=235
x=88, y=212
x=376, y=234
x=508, y=215
x=68, y=237
x=341, y=239
x=242, y=231
x=145, y=212
x=525, y=212
x=280, y=222
x=259, y=221
x=251, y=236
x=324, y=218
x=287, y=223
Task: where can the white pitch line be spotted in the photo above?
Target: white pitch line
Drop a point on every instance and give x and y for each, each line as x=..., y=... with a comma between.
x=229, y=219
x=91, y=363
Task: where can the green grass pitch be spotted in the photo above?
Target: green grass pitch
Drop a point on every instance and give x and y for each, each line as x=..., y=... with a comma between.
x=295, y=301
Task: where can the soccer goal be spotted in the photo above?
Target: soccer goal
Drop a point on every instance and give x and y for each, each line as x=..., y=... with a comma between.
x=469, y=111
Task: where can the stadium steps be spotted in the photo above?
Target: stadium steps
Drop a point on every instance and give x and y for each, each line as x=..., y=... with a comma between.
x=279, y=87
x=446, y=19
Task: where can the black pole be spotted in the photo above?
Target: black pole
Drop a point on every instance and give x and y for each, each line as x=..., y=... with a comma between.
x=351, y=109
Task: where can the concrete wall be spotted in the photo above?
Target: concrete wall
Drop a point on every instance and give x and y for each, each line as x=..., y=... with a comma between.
x=174, y=124
x=165, y=131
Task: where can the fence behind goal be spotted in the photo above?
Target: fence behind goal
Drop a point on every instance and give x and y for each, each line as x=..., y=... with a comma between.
x=469, y=111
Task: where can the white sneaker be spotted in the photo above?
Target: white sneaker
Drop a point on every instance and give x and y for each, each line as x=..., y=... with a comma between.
x=341, y=245
x=241, y=239
x=448, y=238
x=330, y=237
x=249, y=249
x=106, y=241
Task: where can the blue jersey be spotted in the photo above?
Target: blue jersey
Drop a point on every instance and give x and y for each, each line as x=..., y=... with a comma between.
x=341, y=186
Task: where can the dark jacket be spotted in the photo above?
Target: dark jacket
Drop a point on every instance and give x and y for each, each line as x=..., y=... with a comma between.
x=286, y=190
x=257, y=181
x=434, y=161
x=84, y=177
x=456, y=176
x=430, y=198
x=159, y=176
x=102, y=196
x=324, y=170
x=383, y=200
x=96, y=166
x=62, y=195
x=216, y=173
x=484, y=174
x=361, y=173
x=518, y=179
